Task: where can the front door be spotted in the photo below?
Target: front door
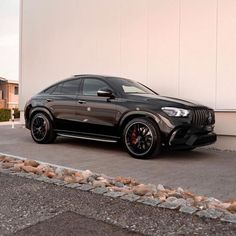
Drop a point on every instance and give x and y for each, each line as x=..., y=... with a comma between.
x=96, y=115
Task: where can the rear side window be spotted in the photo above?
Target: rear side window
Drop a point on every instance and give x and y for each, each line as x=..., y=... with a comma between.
x=70, y=87
x=50, y=90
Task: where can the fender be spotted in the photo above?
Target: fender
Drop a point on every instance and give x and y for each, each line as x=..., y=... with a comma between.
x=41, y=109
x=138, y=113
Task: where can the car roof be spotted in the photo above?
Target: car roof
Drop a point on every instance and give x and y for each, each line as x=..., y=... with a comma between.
x=98, y=76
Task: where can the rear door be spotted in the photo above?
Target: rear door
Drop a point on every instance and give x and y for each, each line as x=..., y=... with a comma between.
x=62, y=102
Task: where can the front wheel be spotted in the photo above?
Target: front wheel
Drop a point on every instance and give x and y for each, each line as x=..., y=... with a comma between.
x=41, y=129
x=141, y=138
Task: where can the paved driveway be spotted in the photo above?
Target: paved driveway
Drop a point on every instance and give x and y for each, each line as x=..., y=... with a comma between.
x=203, y=171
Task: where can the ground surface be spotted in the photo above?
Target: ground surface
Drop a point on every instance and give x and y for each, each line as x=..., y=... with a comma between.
x=203, y=171
x=31, y=207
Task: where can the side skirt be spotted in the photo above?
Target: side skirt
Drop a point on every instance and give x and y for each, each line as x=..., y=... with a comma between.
x=109, y=139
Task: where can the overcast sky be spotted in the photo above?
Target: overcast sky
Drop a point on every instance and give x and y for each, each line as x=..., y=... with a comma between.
x=9, y=39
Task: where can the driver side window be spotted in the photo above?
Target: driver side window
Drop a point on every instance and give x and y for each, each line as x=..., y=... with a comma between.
x=91, y=86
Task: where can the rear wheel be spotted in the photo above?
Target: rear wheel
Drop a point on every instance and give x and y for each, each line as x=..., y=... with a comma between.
x=42, y=129
x=141, y=138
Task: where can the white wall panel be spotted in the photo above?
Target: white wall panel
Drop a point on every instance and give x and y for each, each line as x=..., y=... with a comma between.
x=171, y=45
x=226, y=79
x=163, y=46
x=198, y=50
x=134, y=39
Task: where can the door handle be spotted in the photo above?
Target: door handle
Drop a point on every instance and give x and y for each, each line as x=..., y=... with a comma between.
x=49, y=100
x=81, y=102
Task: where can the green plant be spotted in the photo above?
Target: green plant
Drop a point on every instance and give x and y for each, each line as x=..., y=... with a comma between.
x=5, y=114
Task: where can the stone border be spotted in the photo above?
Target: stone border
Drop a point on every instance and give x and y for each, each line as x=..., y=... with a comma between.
x=127, y=189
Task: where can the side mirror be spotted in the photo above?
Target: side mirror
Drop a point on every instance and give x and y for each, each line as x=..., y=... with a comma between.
x=105, y=93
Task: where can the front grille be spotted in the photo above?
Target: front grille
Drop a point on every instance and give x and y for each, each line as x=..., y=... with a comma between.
x=203, y=117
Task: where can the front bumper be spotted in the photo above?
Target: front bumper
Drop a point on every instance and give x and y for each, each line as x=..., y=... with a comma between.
x=191, y=137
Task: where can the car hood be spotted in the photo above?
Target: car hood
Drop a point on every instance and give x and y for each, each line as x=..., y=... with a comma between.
x=165, y=101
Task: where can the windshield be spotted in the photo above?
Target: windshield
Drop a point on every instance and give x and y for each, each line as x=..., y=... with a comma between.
x=132, y=87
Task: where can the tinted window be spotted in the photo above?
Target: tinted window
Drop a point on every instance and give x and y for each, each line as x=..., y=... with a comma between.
x=50, y=90
x=70, y=87
x=91, y=86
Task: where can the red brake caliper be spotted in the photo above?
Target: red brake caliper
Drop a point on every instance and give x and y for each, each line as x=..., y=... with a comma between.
x=133, y=137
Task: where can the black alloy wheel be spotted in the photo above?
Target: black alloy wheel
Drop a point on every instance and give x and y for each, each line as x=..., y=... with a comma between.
x=41, y=129
x=142, y=138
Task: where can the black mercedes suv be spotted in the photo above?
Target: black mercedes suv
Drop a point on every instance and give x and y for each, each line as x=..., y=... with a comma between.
x=111, y=109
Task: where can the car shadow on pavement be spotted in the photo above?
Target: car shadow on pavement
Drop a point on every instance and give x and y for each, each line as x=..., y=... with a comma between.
x=196, y=154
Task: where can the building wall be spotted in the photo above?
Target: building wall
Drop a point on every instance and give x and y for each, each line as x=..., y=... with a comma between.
x=183, y=48
x=9, y=98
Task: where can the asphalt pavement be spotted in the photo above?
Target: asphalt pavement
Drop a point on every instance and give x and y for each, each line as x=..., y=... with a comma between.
x=32, y=207
x=203, y=171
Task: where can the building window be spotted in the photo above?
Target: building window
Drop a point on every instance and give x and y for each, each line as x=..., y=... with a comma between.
x=16, y=90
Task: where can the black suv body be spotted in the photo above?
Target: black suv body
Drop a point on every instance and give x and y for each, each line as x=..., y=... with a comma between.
x=113, y=109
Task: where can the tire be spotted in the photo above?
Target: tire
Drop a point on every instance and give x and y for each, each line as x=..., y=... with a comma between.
x=141, y=138
x=41, y=129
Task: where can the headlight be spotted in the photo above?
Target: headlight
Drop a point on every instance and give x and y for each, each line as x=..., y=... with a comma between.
x=175, y=112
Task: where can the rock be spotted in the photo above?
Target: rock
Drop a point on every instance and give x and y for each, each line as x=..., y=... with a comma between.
x=68, y=172
x=180, y=202
x=176, y=195
x=119, y=184
x=99, y=190
x=160, y=187
x=189, y=202
x=169, y=205
x=29, y=169
x=131, y=197
x=162, y=195
x=8, y=159
x=78, y=174
x=232, y=208
x=231, y=218
x=186, y=195
x=29, y=162
x=69, y=179
x=90, y=179
x=149, y=201
x=179, y=190
x=50, y=174
x=141, y=189
x=117, y=189
x=198, y=199
x=81, y=180
x=97, y=183
x=222, y=206
x=153, y=188
x=85, y=187
x=114, y=194
x=126, y=181
x=188, y=209
x=7, y=165
x=171, y=199
x=210, y=213
x=18, y=166
x=42, y=168
x=59, y=172
x=86, y=174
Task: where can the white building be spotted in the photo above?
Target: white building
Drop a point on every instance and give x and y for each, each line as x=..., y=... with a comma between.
x=181, y=48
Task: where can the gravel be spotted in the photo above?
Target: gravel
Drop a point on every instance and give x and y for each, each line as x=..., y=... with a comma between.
x=26, y=202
